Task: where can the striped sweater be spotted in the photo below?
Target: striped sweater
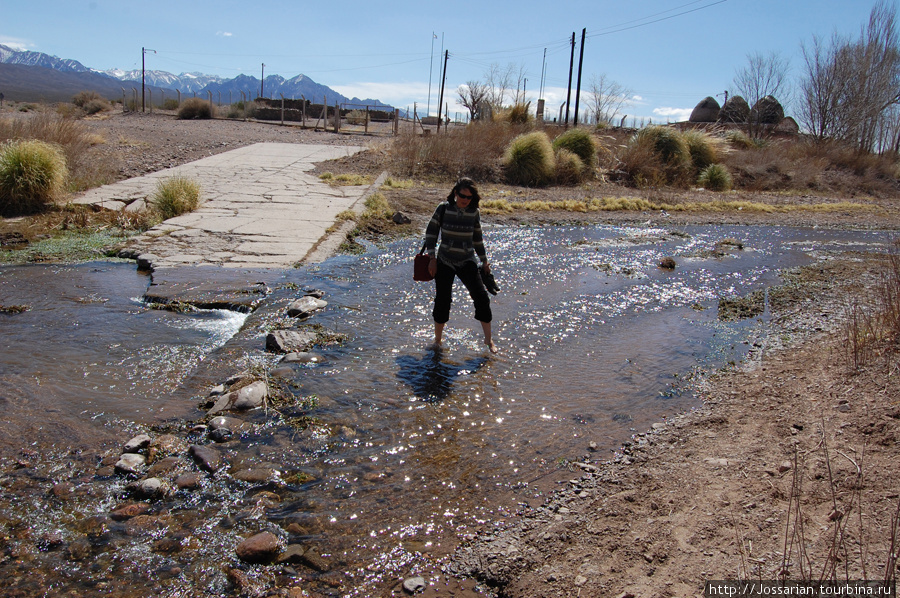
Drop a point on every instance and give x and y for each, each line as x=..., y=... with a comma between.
x=460, y=232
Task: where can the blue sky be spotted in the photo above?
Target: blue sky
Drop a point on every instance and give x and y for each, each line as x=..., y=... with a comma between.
x=670, y=53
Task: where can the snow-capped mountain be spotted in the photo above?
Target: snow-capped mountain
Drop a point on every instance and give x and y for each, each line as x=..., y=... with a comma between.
x=28, y=58
x=186, y=82
x=275, y=86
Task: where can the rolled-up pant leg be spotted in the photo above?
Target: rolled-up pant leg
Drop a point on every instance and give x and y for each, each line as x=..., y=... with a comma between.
x=443, y=292
x=472, y=279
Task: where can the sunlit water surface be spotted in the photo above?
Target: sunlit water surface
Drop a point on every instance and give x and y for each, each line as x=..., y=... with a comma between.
x=409, y=449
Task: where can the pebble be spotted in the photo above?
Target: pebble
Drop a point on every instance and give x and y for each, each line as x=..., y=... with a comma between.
x=414, y=585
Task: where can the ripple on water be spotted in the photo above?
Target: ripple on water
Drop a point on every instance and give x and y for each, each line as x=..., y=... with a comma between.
x=408, y=448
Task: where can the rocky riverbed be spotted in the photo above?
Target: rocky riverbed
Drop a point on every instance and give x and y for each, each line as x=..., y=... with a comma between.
x=791, y=448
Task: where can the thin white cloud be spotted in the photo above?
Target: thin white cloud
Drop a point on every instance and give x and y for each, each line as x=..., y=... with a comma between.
x=224, y=34
x=674, y=114
x=15, y=43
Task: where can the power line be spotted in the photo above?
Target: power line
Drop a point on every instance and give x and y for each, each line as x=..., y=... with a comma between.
x=620, y=29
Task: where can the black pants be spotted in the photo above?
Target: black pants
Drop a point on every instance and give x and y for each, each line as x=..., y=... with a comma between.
x=443, y=296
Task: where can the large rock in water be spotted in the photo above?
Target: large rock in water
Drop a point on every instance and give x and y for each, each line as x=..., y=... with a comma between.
x=289, y=341
x=305, y=307
x=249, y=397
x=707, y=111
x=735, y=110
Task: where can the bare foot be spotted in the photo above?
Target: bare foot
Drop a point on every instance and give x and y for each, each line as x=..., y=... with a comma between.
x=493, y=347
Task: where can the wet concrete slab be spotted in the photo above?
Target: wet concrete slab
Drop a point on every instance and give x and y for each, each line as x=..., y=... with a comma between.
x=262, y=208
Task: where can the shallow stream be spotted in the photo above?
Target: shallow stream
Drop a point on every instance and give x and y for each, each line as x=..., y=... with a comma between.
x=403, y=451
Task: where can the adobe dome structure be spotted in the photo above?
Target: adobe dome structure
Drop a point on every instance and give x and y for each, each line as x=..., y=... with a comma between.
x=707, y=111
x=735, y=110
x=767, y=111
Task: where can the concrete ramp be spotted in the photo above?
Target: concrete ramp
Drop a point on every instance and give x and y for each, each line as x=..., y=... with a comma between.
x=261, y=207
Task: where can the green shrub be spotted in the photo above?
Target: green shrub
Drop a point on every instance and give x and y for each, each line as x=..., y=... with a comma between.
x=667, y=143
x=32, y=174
x=196, y=108
x=569, y=167
x=715, y=177
x=529, y=160
x=702, y=147
x=175, y=196
x=657, y=155
x=170, y=104
x=581, y=143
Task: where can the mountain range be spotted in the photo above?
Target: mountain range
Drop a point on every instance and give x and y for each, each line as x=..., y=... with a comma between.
x=28, y=76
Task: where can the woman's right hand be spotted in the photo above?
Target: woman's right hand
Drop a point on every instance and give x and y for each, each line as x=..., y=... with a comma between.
x=432, y=267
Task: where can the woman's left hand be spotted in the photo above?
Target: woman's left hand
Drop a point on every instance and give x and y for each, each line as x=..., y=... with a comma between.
x=486, y=267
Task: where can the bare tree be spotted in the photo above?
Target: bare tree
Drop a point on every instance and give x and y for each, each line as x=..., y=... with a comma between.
x=762, y=76
x=606, y=97
x=850, y=88
x=472, y=95
x=498, y=80
x=820, y=88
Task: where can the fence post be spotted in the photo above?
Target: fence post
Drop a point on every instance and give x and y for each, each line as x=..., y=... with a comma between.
x=337, y=117
x=396, y=121
x=282, y=109
x=179, y=97
x=211, y=109
x=303, y=111
x=124, y=103
x=150, y=92
x=134, y=95
x=367, y=120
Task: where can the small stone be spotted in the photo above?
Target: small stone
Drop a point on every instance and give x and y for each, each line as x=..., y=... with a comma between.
x=138, y=443
x=292, y=554
x=208, y=459
x=126, y=512
x=130, y=463
x=414, y=585
x=149, y=488
x=305, y=307
x=260, y=548
x=188, y=481
x=300, y=357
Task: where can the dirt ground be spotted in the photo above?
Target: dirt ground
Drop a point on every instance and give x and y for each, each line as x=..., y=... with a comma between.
x=788, y=470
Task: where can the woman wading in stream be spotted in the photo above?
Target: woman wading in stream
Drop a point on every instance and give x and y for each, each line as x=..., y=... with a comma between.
x=458, y=224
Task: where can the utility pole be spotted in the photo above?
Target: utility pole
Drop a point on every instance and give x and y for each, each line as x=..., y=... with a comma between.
x=569, y=92
x=443, y=81
x=262, y=82
x=430, y=70
x=543, y=73
x=143, y=69
x=580, y=62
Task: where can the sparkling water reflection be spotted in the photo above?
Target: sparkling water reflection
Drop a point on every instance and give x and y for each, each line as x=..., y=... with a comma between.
x=409, y=449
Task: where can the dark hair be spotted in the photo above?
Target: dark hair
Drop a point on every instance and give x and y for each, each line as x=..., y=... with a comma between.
x=465, y=183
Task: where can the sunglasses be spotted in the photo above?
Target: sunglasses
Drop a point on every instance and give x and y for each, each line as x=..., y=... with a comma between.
x=461, y=196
